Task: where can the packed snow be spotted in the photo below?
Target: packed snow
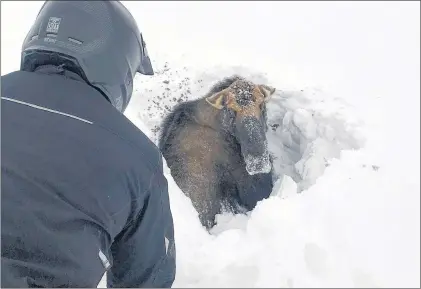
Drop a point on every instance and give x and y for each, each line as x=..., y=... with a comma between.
x=343, y=130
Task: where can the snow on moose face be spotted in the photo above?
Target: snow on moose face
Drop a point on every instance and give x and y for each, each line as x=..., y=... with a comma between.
x=246, y=102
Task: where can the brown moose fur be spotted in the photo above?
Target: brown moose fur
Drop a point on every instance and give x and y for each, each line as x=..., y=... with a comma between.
x=199, y=145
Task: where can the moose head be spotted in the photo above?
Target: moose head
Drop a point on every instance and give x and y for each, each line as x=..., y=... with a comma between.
x=243, y=112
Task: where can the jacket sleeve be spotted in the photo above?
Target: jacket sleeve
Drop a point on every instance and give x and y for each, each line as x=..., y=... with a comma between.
x=144, y=253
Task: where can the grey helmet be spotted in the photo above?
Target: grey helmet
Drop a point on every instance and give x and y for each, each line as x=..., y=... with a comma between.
x=99, y=40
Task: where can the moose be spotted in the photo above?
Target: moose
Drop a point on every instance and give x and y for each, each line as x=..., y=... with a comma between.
x=216, y=148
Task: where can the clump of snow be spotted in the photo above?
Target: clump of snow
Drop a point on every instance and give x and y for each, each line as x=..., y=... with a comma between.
x=258, y=164
x=309, y=128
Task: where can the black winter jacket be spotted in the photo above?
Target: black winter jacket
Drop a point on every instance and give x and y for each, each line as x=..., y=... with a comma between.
x=82, y=190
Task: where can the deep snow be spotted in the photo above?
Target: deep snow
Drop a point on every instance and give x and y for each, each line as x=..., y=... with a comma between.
x=344, y=127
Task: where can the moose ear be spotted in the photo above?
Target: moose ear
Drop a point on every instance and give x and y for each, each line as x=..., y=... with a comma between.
x=267, y=91
x=216, y=99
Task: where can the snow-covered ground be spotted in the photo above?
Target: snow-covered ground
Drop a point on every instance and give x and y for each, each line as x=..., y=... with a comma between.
x=344, y=128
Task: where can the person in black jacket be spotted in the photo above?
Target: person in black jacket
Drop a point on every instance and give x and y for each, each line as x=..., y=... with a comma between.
x=82, y=189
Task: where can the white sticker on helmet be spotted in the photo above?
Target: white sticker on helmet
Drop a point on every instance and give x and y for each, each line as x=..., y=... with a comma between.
x=53, y=25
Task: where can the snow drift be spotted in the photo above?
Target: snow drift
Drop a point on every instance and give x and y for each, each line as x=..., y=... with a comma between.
x=280, y=243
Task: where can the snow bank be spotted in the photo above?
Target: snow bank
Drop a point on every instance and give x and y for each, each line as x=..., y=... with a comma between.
x=337, y=232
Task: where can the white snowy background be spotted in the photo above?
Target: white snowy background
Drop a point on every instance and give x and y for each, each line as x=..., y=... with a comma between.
x=345, y=132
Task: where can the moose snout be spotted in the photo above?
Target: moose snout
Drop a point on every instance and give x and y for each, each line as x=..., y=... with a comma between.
x=251, y=135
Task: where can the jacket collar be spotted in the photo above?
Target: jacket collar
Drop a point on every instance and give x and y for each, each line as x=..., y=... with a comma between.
x=58, y=70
